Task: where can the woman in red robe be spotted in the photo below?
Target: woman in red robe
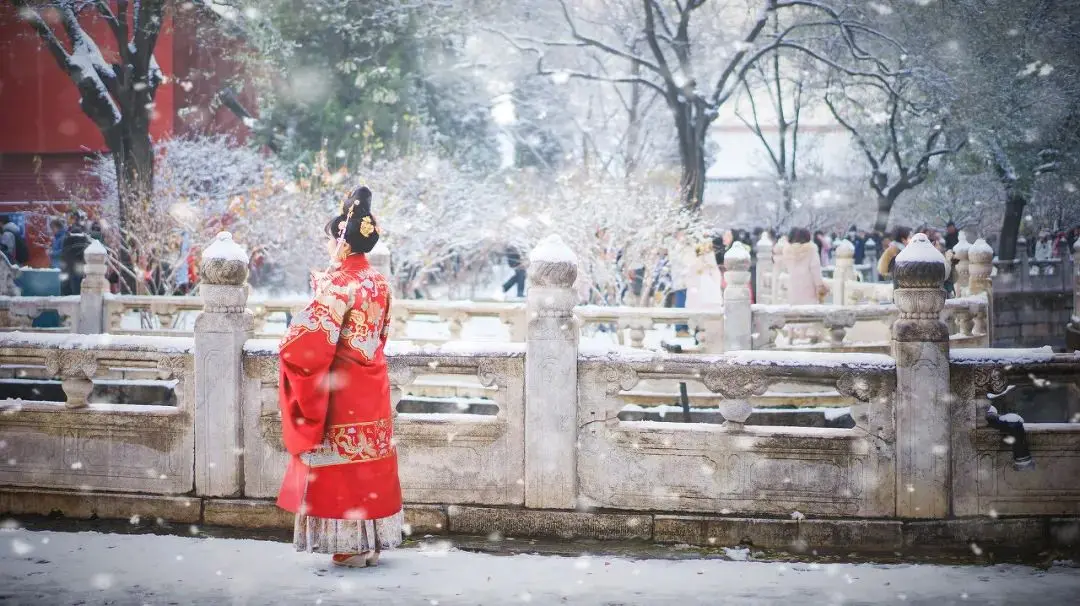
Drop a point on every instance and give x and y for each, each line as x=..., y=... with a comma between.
x=342, y=479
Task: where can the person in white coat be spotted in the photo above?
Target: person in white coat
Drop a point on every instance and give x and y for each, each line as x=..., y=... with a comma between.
x=705, y=287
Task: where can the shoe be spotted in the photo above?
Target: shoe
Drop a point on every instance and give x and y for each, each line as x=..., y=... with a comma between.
x=350, y=560
x=372, y=558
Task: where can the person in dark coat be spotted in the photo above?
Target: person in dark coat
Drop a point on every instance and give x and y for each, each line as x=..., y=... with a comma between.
x=952, y=235
x=513, y=259
x=72, y=269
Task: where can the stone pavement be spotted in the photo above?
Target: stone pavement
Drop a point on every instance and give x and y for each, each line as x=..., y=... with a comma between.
x=47, y=567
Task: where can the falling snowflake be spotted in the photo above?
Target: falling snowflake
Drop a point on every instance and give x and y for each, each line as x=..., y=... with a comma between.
x=20, y=547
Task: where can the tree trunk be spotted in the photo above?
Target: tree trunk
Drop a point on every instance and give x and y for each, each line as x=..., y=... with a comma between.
x=692, y=128
x=133, y=157
x=884, y=209
x=1010, y=228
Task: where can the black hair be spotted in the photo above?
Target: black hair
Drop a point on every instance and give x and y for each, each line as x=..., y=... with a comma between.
x=901, y=233
x=800, y=235
x=361, y=230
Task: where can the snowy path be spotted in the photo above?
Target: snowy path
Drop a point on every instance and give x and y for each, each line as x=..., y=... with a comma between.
x=93, y=568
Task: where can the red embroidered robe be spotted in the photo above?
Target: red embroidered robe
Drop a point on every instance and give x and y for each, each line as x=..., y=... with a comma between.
x=335, y=400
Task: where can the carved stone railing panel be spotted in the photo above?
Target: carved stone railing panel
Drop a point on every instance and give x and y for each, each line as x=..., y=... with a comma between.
x=734, y=467
x=984, y=480
x=147, y=448
x=19, y=313
x=444, y=458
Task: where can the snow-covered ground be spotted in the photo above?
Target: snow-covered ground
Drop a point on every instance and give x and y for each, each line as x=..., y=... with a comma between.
x=93, y=568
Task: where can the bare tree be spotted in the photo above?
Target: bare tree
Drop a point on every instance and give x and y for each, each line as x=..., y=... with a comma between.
x=118, y=98
x=697, y=74
x=781, y=92
x=899, y=138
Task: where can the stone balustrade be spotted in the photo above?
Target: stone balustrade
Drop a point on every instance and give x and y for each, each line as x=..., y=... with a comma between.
x=552, y=447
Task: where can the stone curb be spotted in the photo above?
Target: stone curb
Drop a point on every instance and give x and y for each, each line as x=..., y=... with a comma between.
x=880, y=535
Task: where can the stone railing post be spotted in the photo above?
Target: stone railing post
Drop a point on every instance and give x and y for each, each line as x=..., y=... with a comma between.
x=845, y=270
x=980, y=266
x=737, y=311
x=551, y=359
x=763, y=290
x=920, y=345
x=1072, y=334
x=963, y=264
x=91, y=319
x=220, y=332
x=379, y=258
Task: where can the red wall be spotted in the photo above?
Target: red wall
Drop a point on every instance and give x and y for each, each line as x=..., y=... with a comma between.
x=40, y=111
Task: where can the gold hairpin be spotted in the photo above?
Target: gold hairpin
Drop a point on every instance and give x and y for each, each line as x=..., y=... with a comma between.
x=366, y=226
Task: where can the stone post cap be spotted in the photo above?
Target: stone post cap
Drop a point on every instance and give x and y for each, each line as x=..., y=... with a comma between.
x=552, y=263
x=224, y=262
x=845, y=249
x=963, y=247
x=920, y=265
x=764, y=243
x=737, y=258
x=96, y=249
x=980, y=252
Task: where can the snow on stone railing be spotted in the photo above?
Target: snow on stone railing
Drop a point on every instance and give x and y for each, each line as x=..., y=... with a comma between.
x=78, y=359
x=20, y=312
x=89, y=443
x=479, y=455
x=735, y=467
x=986, y=460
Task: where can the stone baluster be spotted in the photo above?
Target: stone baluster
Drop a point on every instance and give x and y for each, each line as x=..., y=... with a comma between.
x=456, y=321
x=870, y=256
x=91, y=318
x=961, y=250
x=399, y=321
x=764, y=287
x=76, y=369
x=845, y=271
x=776, y=287
x=737, y=310
x=8, y=274
x=1072, y=333
x=838, y=322
x=259, y=314
x=220, y=332
x=980, y=266
x=638, y=328
x=920, y=345
x=964, y=320
x=551, y=366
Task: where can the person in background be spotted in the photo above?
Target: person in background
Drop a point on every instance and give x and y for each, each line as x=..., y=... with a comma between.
x=59, y=232
x=682, y=260
x=12, y=243
x=72, y=269
x=1044, y=248
x=823, y=246
x=513, y=259
x=952, y=235
x=900, y=238
x=802, y=260
x=860, y=246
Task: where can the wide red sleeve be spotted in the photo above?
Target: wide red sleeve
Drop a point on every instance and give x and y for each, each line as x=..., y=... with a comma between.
x=306, y=354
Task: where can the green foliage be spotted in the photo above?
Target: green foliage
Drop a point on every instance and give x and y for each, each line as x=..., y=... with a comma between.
x=352, y=78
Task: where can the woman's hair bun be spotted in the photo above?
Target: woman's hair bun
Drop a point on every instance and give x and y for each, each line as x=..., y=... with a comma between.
x=360, y=229
x=362, y=197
